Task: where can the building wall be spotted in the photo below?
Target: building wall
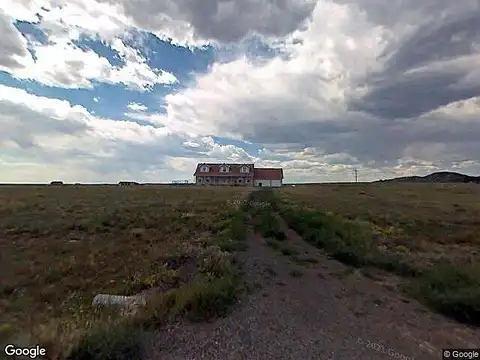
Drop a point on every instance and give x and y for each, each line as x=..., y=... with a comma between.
x=276, y=183
x=222, y=180
x=268, y=183
x=263, y=182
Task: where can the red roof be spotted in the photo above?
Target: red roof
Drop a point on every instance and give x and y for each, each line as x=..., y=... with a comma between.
x=268, y=174
x=215, y=170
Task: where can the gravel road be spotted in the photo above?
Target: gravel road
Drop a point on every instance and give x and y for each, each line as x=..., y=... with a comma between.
x=330, y=312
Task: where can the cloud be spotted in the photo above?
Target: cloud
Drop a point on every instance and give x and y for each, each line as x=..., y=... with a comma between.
x=365, y=89
x=64, y=20
x=58, y=61
x=46, y=131
x=184, y=22
x=217, y=21
x=65, y=65
x=14, y=54
x=389, y=88
x=137, y=107
x=428, y=68
x=78, y=146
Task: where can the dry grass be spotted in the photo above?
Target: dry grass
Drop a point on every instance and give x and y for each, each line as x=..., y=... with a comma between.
x=427, y=232
x=60, y=246
x=425, y=221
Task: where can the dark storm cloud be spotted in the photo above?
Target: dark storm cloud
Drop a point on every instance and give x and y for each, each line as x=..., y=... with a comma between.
x=445, y=40
x=394, y=12
x=12, y=44
x=224, y=20
x=307, y=133
x=380, y=140
x=406, y=96
x=20, y=124
x=423, y=71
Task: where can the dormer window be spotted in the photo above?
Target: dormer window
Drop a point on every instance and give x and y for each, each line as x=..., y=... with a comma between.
x=244, y=169
x=224, y=168
x=204, y=168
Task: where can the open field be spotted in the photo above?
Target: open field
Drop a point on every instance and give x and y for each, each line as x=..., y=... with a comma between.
x=60, y=246
x=305, y=304
x=429, y=233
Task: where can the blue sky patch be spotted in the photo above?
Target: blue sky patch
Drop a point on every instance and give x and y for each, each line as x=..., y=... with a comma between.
x=34, y=31
x=31, y=30
x=178, y=60
x=101, y=48
x=111, y=100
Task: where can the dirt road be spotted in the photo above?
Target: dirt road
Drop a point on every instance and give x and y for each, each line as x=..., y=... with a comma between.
x=324, y=310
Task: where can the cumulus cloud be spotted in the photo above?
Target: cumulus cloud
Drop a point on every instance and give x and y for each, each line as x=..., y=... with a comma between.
x=78, y=146
x=133, y=106
x=184, y=22
x=425, y=66
x=64, y=64
x=375, y=86
x=390, y=88
x=50, y=131
x=193, y=22
x=14, y=54
x=58, y=61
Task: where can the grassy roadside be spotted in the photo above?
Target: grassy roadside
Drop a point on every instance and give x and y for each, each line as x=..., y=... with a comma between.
x=267, y=224
x=210, y=294
x=177, y=246
x=450, y=288
x=264, y=220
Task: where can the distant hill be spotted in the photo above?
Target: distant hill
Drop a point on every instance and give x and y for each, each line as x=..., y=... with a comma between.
x=437, y=177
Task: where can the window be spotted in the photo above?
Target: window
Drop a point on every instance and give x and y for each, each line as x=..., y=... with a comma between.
x=224, y=169
x=244, y=169
x=204, y=169
x=207, y=180
x=239, y=180
x=248, y=180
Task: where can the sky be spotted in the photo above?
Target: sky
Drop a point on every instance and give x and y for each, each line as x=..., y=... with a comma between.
x=143, y=90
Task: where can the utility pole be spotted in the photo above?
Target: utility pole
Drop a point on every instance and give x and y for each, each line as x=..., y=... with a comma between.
x=356, y=175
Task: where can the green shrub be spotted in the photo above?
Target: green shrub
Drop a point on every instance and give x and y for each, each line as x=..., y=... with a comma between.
x=206, y=298
x=451, y=290
x=119, y=341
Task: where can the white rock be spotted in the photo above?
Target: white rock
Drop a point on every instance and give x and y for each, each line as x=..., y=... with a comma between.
x=118, y=300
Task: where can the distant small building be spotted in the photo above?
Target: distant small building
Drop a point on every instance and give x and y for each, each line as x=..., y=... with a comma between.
x=128, y=183
x=56, y=183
